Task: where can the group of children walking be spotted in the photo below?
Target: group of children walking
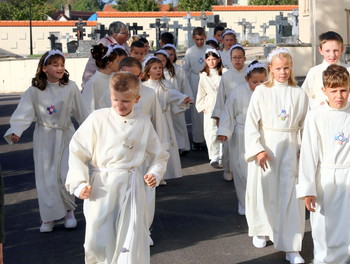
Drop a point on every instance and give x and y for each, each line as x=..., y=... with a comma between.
x=252, y=118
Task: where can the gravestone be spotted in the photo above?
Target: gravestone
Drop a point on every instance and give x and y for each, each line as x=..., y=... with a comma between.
x=157, y=26
x=72, y=46
x=244, y=24
x=295, y=23
x=80, y=29
x=283, y=28
x=165, y=20
x=144, y=35
x=84, y=47
x=134, y=28
x=189, y=29
x=203, y=18
x=213, y=22
x=176, y=26
x=52, y=39
x=99, y=32
x=253, y=38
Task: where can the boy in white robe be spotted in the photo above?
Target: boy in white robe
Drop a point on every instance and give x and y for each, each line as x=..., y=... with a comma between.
x=230, y=79
x=331, y=48
x=194, y=62
x=115, y=142
x=324, y=182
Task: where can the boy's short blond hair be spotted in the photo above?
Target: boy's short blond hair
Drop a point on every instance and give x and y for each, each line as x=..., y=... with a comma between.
x=125, y=81
x=198, y=31
x=328, y=36
x=335, y=76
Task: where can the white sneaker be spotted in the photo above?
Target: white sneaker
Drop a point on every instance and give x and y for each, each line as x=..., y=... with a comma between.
x=294, y=257
x=228, y=176
x=150, y=241
x=241, y=209
x=215, y=163
x=46, y=227
x=259, y=241
x=162, y=182
x=70, y=221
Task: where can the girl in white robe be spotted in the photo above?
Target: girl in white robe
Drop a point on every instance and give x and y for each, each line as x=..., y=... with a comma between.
x=51, y=100
x=114, y=143
x=107, y=60
x=228, y=39
x=275, y=116
x=324, y=182
x=232, y=124
x=208, y=86
x=181, y=84
x=153, y=77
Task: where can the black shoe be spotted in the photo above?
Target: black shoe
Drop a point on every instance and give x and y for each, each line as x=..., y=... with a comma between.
x=183, y=152
x=196, y=146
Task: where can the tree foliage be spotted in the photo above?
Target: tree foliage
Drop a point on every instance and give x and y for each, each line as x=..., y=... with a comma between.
x=20, y=9
x=80, y=5
x=138, y=5
x=195, y=5
x=273, y=2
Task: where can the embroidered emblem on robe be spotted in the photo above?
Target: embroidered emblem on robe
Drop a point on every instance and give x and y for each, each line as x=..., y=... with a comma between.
x=340, y=138
x=51, y=109
x=283, y=115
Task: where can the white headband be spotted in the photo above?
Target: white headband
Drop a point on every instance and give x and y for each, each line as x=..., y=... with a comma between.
x=213, y=39
x=255, y=66
x=149, y=58
x=53, y=52
x=277, y=52
x=229, y=31
x=169, y=46
x=213, y=51
x=161, y=51
x=109, y=51
x=236, y=46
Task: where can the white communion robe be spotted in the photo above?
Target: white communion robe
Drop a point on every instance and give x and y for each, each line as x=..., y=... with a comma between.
x=181, y=84
x=207, y=90
x=168, y=97
x=232, y=124
x=94, y=89
x=274, y=118
x=194, y=63
x=226, y=59
x=314, y=82
x=52, y=109
x=230, y=79
x=116, y=229
x=325, y=173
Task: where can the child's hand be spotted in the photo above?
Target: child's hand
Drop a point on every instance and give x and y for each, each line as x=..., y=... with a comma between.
x=187, y=100
x=222, y=138
x=85, y=192
x=310, y=203
x=262, y=159
x=14, y=138
x=150, y=180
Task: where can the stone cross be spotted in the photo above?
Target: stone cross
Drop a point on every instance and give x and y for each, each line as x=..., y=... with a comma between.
x=188, y=29
x=144, y=35
x=80, y=29
x=250, y=28
x=214, y=21
x=52, y=39
x=134, y=28
x=176, y=26
x=67, y=37
x=101, y=31
x=165, y=20
x=264, y=27
x=157, y=26
x=280, y=23
x=203, y=18
x=295, y=22
x=244, y=25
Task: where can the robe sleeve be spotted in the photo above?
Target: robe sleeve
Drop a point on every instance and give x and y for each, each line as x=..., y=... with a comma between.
x=88, y=96
x=220, y=100
x=157, y=155
x=79, y=111
x=186, y=65
x=228, y=118
x=308, y=85
x=184, y=83
x=23, y=116
x=252, y=134
x=81, y=149
x=201, y=94
x=177, y=98
x=309, y=158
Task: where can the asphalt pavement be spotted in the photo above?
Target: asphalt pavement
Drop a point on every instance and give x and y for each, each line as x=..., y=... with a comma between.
x=196, y=217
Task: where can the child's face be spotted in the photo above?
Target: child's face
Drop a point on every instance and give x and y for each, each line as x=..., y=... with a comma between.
x=134, y=70
x=228, y=41
x=162, y=58
x=281, y=69
x=155, y=72
x=255, y=79
x=337, y=97
x=147, y=47
x=218, y=35
x=123, y=102
x=212, y=62
x=331, y=51
x=55, y=70
x=237, y=59
x=138, y=53
x=114, y=65
x=199, y=40
x=172, y=54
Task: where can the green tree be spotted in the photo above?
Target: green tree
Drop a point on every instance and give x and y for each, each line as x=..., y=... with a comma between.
x=80, y=5
x=273, y=2
x=20, y=9
x=138, y=5
x=195, y=5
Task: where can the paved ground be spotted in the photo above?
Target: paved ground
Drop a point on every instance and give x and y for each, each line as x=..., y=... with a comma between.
x=195, y=221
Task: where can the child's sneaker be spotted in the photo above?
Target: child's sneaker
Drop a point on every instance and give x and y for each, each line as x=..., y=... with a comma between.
x=294, y=257
x=228, y=176
x=215, y=163
x=259, y=242
x=46, y=227
x=70, y=221
x=241, y=209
